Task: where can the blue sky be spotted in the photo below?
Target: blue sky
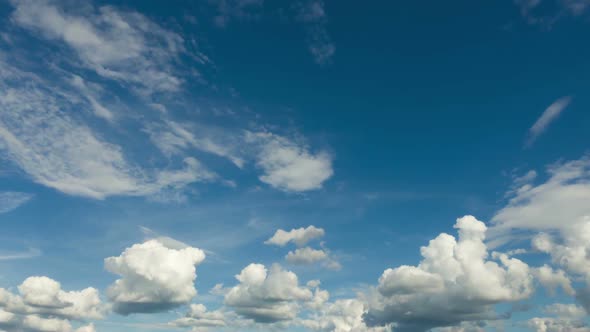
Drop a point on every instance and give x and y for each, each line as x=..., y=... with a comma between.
x=248, y=165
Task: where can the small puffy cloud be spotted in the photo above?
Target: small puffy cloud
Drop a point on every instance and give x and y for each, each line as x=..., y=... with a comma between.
x=309, y=256
x=553, y=279
x=199, y=317
x=10, y=200
x=154, y=277
x=545, y=324
x=551, y=114
x=299, y=236
x=41, y=305
x=267, y=296
x=289, y=166
x=175, y=138
x=565, y=310
x=456, y=281
x=306, y=256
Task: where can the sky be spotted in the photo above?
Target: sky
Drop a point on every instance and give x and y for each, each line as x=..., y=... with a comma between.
x=305, y=165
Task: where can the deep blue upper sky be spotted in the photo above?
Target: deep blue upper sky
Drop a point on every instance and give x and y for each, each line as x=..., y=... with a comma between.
x=124, y=125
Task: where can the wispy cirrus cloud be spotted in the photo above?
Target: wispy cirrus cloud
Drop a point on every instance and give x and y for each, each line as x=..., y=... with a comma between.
x=59, y=151
x=312, y=15
x=546, y=13
x=100, y=51
x=11, y=200
x=549, y=115
x=30, y=253
x=122, y=46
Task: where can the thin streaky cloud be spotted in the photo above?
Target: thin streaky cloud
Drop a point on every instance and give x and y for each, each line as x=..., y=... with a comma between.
x=12, y=200
x=551, y=114
x=31, y=253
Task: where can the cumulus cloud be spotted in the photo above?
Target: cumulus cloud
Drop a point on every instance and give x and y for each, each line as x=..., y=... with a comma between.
x=10, y=200
x=199, y=317
x=455, y=282
x=344, y=315
x=554, y=279
x=565, y=317
x=299, y=236
x=154, y=277
x=309, y=256
x=41, y=305
x=559, y=209
x=551, y=114
x=306, y=256
x=547, y=324
x=267, y=296
x=289, y=166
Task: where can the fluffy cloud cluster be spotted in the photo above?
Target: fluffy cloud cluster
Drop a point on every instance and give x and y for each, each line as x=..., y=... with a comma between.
x=307, y=255
x=41, y=305
x=565, y=317
x=344, y=315
x=456, y=281
x=154, y=277
x=289, y=166
x=558, y=213
x=267, y=296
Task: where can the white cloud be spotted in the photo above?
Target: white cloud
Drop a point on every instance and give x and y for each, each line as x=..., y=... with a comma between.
x=565, y=310
x=42, y=305
x=57, y=150
x=552, y=280
x=550, y=115
x=557, y=204
x=545, y=324
x=559, y=209
x=340, y=316
x=31, y=253
x=289, y=166
x=199, y=317
x=175, y=138
x=455, y=282
x=10, y=200
x=154, y=277
x=123, y=46
x=299, y=236
x=91, y=95
x=306, y=256
x=267, y=296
